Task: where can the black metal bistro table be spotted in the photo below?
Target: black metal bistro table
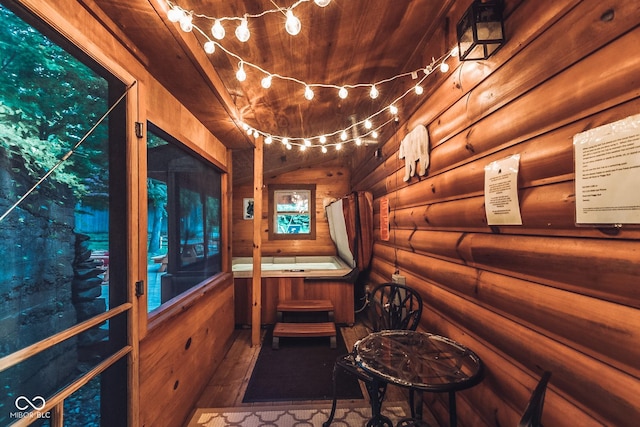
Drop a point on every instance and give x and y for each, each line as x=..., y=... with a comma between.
x=419, y=361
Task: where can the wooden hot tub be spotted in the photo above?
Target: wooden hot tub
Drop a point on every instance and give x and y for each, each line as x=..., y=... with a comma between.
x=297, y=277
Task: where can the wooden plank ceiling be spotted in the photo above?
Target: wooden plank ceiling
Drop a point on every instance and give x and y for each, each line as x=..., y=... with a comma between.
x=347, y=42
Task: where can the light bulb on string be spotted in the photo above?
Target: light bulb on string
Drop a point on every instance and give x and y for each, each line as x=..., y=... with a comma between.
x=240, y=74
x=174, y=14
x=209, y=47
x=358, y=141
x=343, y=93
x=186, y=22
x=292, y=25
x=374, y=92
x=285, y=141
x=455, y=51
x=444, y=67
x=323, y=140
x=322, y=3
x=289, y=146
x=303, y=147
x=368, y=124
x=217, y=30
x=242, y=32
x=393, y=109
x=324, y=149
x=256, y=134
x=266, y=82
x=338, y=146
x=268, y=140
x=343, y=135
x=308, y=93
x=307, y=143
x=374, y=134
x=419, y=90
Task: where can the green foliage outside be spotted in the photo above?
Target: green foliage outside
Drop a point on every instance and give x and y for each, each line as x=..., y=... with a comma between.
x=48, y=101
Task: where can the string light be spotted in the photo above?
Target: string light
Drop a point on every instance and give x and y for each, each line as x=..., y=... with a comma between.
x=292, y=25
x=209, y=47
x=174, y=14
x=308, y=93
x=242, y=31
x=186, y=22
x=185, y=19
x=266, y=82
x=374, y=92
x=241, y=75
x=217, y=30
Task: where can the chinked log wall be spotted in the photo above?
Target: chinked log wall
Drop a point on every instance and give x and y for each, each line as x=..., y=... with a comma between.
x=546, y=295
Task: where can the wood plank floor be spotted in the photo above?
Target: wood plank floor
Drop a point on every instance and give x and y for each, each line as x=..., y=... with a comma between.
x=228, y=384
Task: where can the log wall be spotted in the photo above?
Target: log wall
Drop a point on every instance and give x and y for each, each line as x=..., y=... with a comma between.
x=546, y=295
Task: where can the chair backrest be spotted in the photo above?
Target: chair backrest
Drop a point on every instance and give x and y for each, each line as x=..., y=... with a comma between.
x=532, y=416
x=393, y=306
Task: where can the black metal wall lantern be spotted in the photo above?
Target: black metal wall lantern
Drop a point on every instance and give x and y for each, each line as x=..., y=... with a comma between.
x=481, y=30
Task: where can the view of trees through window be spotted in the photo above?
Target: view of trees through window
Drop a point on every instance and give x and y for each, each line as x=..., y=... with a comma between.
x=291, y=211
x=55, y=242
x=184, y=208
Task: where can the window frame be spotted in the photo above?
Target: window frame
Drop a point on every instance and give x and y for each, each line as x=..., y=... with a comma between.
x=174, y=264
x=273, y=234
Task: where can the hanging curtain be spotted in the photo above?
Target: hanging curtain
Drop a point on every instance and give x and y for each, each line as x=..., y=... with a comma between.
x=357, y=209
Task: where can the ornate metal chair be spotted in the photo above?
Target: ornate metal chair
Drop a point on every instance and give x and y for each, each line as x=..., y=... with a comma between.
x=391, y=306
x=532, y=416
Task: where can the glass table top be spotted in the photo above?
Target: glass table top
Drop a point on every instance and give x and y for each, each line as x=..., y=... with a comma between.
x=419, y=360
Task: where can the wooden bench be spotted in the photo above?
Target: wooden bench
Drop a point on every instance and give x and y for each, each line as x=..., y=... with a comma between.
x=315, y=329
x=305, y=306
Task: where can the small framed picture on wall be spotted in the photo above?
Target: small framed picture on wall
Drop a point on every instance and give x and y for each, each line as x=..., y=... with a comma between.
x=247, y=208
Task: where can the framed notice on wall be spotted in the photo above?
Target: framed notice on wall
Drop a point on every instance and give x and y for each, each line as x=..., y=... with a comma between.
x=607, y=162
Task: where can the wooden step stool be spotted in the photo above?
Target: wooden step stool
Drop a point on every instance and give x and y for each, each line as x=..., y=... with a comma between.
x=305, y=306
x=307, y=329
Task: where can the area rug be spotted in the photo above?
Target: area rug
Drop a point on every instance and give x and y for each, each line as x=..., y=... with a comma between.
x=278, y=417
x=301, y=369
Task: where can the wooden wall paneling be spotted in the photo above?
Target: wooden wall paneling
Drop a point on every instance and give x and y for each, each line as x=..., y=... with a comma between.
x=605, y=393
x=547, y=294
x=524, y=118
x=504, y=378
x=176, y=362
x=242, y=300
x=547, y=210
x=529, y=347
x=581, y=27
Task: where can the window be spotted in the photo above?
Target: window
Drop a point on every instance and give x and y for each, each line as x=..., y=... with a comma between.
x=64, y=243
x=292, y=212
x=184, y=194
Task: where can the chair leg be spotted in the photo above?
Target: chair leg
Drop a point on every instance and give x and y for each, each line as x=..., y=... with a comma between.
x=335, y=398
